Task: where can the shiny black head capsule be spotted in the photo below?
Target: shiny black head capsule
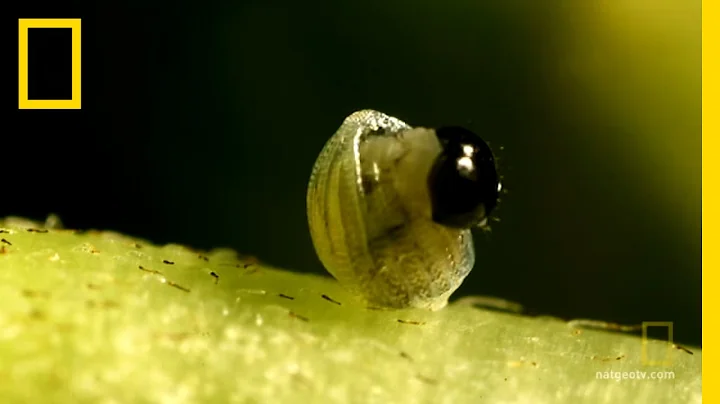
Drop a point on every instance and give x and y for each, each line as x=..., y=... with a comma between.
x=463, y=181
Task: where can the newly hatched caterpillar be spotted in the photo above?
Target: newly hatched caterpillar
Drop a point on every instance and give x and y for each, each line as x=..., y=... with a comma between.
x=390, y=208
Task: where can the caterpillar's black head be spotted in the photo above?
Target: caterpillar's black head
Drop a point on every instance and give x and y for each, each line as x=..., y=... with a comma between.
x=463, y=182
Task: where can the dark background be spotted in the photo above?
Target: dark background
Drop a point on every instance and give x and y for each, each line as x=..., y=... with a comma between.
x=200, y=125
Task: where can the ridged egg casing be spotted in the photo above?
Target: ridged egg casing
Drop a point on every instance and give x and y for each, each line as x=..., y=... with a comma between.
x=369, y=215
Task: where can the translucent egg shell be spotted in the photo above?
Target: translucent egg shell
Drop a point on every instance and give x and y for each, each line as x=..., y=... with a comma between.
x=390, y=208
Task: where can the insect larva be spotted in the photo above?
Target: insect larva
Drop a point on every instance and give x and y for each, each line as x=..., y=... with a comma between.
x=390, y=208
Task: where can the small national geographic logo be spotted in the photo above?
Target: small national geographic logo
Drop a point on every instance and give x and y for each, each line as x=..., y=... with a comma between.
x=25, y=99
x=646, y=358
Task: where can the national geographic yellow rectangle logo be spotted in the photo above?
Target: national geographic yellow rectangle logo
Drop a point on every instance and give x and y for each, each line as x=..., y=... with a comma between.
x=24, y=25
x=645, y=356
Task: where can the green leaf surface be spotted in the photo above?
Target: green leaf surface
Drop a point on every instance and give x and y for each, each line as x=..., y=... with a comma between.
x=104, y=318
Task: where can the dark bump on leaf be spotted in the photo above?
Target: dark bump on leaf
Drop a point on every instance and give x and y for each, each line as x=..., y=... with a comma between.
x=682, y=348
x=29, y=293
x=602, y=359
x=168, y=262
x=410, y=322
x=299, y=317
x=152, y=271
x=37, y=230
x=176, y=286
x=330, y=299
x=426, y=379
x=284, y=296
x=36, y=314
x=405, y=355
